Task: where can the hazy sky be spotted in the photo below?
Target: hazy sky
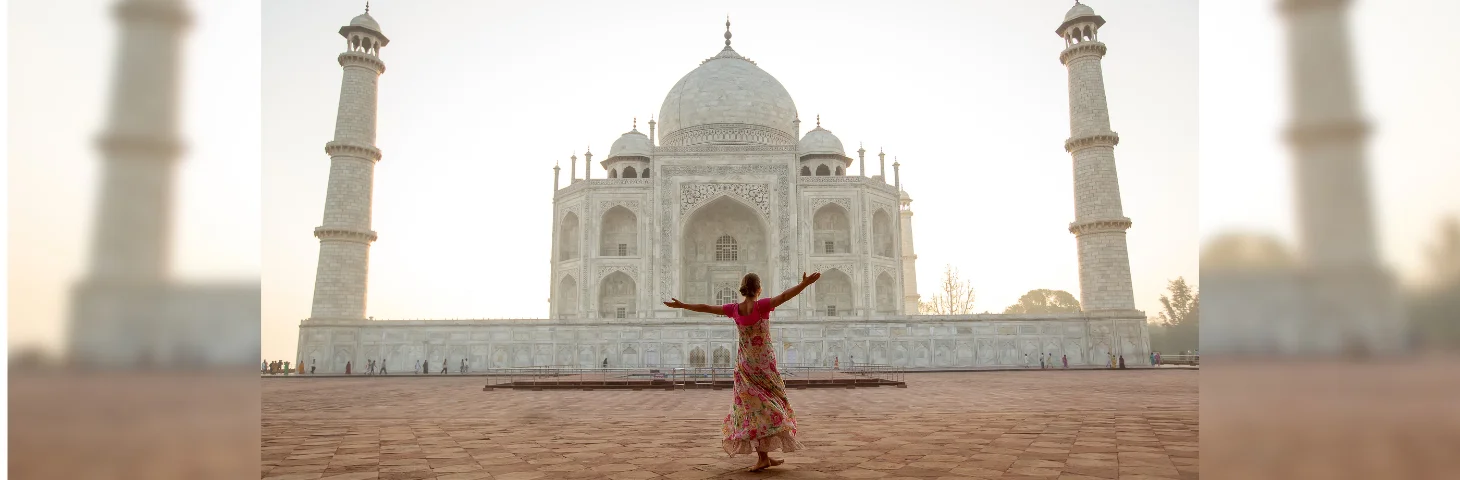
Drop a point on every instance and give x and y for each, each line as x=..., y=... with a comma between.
x=479, y=100
x=482, y=97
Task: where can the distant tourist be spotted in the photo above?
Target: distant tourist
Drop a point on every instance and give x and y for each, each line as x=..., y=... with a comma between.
x=1122, y=361
x=382, y=366
x=1041, y=362
x=347, y=368
x=1026, y=360
x=463, y=365
x=760, y=404
x=1066, y=360
x=605, y=362
x=417, y=371
x=443, y=366
x=836, y=363
x=311, y=366
x=286, y=367
x=264, y=367
x=371, y=364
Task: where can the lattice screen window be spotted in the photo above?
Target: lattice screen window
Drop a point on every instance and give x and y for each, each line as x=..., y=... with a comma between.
x=726, y=250
x=830, y=246
x=623, y=249
x=621, y=312
x=831, y=310
x=726, y=295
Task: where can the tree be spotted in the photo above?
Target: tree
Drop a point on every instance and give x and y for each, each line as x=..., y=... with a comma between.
x=954, y=296
x=1179, y=322
x=1045, y=301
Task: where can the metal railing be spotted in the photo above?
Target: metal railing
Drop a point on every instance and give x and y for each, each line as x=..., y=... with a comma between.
x=1181, y=359
x=684, y=376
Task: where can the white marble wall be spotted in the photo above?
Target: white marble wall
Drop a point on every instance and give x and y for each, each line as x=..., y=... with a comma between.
x=908, y=341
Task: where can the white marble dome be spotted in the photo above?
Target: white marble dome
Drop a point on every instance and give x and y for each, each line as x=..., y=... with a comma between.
x=820, y=141
x=727, y=100
x=1079, y=10
x=631, y=144
x=366, y=21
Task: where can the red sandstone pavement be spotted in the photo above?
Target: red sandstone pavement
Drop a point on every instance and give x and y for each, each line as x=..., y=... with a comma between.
x=1039, y=424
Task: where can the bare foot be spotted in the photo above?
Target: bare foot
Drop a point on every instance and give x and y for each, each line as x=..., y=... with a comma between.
x=766, y=463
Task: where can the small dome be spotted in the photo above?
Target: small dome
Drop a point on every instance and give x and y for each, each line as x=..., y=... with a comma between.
x=820, y=141
x=905, y=197
x=1079, y=10
x=631, y=144
x=366, y=21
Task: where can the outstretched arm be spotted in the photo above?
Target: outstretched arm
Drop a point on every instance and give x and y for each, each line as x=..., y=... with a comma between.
x=806, y=281
x=695, y=307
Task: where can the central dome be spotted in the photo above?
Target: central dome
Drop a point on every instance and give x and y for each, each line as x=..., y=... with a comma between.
x=728, y=100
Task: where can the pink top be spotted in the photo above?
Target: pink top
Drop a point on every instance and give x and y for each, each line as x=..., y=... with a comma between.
x=760, y=310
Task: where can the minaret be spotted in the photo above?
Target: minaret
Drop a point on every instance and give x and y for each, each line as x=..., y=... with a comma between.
x=557, y=171
x=345, y=237
x=588, y=164
x=896, y=174
x=910, y=297
x=861, y=159
x=653, y=137
x=882, y=164
x=573, y=175
x=796, y=126
x=1351, y=297
x=116, y=313
x=1099, y=225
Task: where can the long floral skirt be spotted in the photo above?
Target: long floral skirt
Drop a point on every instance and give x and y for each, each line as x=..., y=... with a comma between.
x=760, y=418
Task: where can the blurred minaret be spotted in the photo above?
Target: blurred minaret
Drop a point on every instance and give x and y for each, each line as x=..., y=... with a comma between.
x=345, y=237
x=1099, y=225
x=861, y=160
x=117, y=315
x=1352, y=302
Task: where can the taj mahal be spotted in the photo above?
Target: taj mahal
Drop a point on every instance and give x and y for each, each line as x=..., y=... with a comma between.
x=726, y=182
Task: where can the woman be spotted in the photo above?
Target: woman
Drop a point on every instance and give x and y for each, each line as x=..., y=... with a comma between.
x=760, y=418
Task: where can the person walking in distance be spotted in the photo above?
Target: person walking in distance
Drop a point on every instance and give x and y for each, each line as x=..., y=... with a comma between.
x=1065, y=359
x=463, y=365
x=382, y=366
x=443, y=366
x=417, y=370
x=311, y=366
x=761, y=419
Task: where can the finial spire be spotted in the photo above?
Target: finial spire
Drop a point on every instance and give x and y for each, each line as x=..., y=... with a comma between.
x=367, y=7
x=818, y=120
x=636, y=123
x=727, y=30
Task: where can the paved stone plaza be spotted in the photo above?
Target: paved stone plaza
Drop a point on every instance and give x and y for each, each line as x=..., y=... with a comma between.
x=1036, y=424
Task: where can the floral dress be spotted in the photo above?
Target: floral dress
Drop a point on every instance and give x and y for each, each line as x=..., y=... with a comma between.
x=760, y=418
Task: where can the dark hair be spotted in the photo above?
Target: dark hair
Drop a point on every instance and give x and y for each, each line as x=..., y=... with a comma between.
x=750, y=285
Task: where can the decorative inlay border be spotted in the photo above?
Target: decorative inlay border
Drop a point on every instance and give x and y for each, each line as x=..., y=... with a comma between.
x=693, y=195
x=631, y=270
x=1090, y=141
x=1100, y=226
x=727, y=133
x=844, y=267
x=632, y=205
x=708, y=149
x=817, y=203
x=831, y=179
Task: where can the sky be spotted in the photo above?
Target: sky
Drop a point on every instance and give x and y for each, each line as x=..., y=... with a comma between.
x=480, y=99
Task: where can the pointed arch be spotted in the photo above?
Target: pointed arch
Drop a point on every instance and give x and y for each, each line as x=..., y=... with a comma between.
x=646, y=172
x=619, y=233
x=613, y=173
x=567, y=297
x=629, y=172
x=831, y=230
x=882, y=240
x=720, y=242
x=886, y=294
x=617, y=295
x=805, y=171
x=568, y=238
x=822, y=171
x=834, y=294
